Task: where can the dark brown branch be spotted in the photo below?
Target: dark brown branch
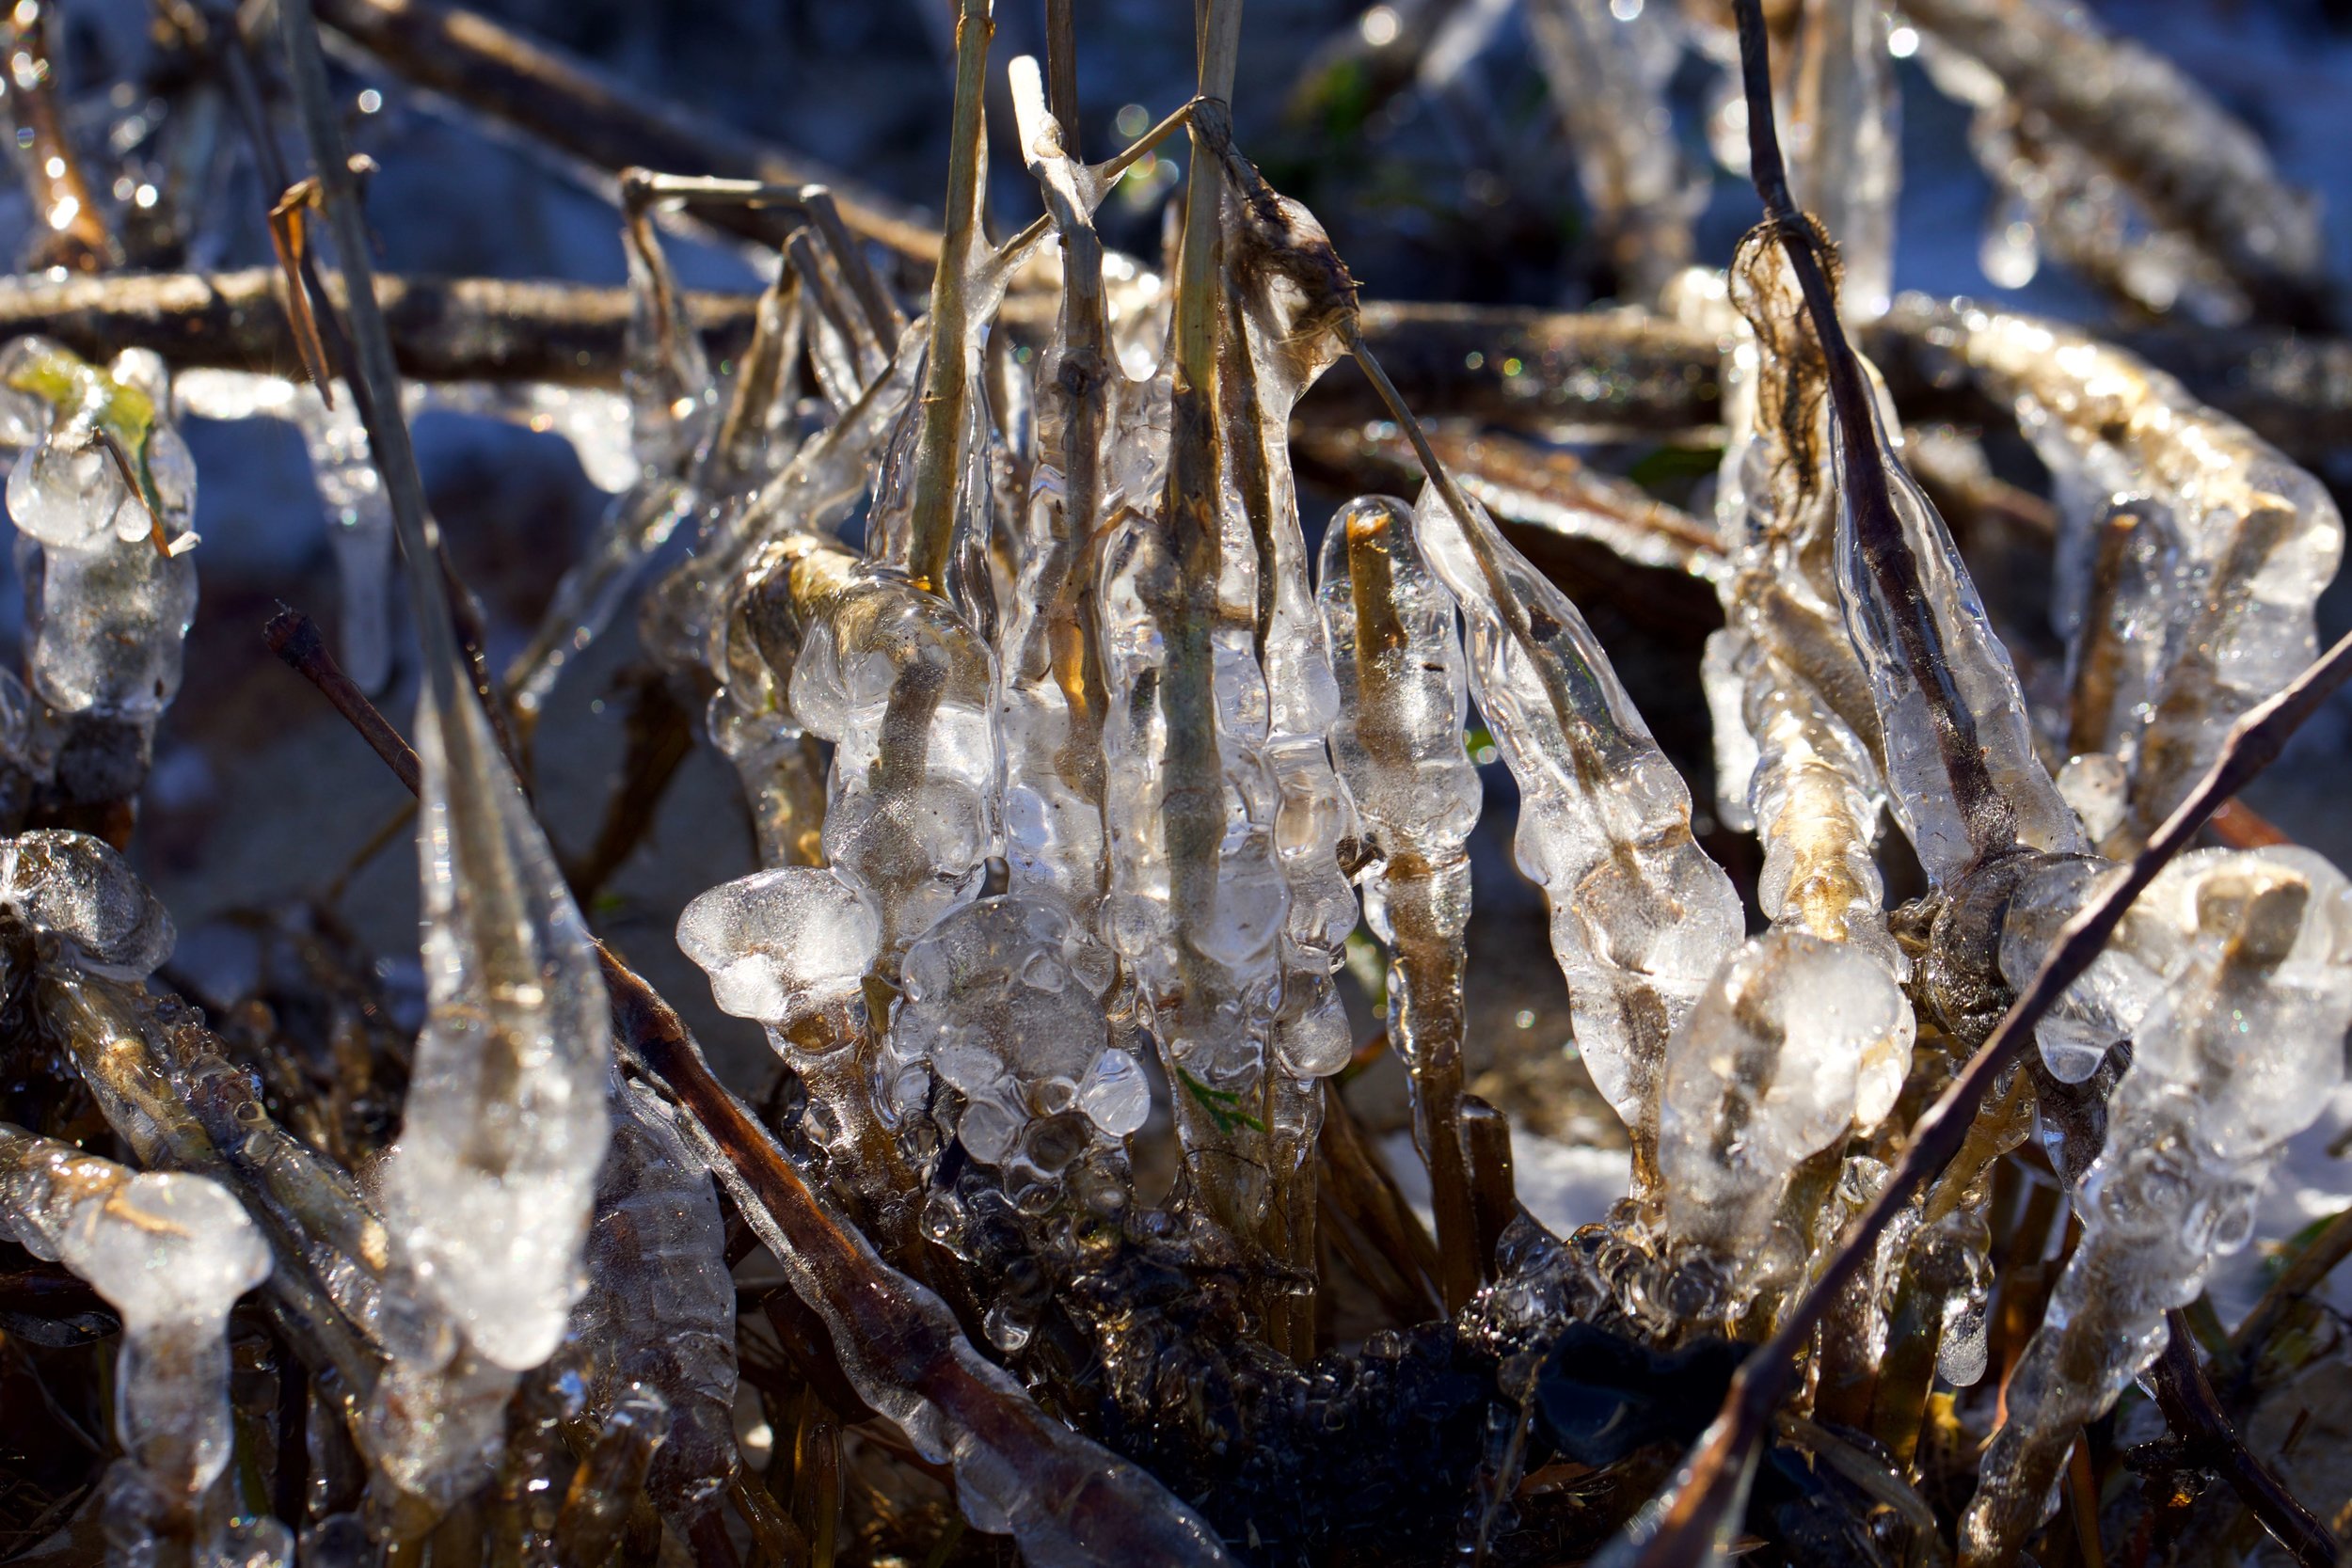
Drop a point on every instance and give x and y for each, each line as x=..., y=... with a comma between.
x=563, y=103
x=2196, y=1419
x=294, y=637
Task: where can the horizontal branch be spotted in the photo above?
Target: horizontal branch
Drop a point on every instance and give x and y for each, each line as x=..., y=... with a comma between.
x=455, y=330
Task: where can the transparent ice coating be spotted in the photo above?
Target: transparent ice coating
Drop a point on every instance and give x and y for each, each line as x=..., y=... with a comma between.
x=1067, y=1502
x=172, y=1253
x=904, y=687
x=79, y=888
x=659, y=1313
x=2116, y=160
x=1795, y=1042
x=2239, y=1053
x=2240, y=542
x=2105, y=1005
x=1285, y=341
x=1607, y=68
x=1002, y=1002
x=1640, y=918
x=490, y=1186
x=1966, y=783
x=1845, y=126
x=358, y=529
x=108, y=462
x=783, y=943
x=1404, y=688
x=1805, y=780
x=104, y=492
x=1050, y=676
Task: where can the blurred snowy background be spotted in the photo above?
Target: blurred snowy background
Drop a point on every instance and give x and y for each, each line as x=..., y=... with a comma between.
x=1456, y=186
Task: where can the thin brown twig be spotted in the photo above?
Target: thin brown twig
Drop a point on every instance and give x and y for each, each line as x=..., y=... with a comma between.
x=2194, y=1415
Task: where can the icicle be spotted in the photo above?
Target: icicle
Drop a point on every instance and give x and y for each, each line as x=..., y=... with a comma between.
x=659, y=1313
x=1968, y=784
x=1640, y=918
x=1050, y=696
x=1404, y=698
x=173, y=1253
x=1608, y=65
x=359, y=529
x=2252, y=538
x=1811, y=786
x=1845, y=134
x=102, y=504
x=489, y=1190
x=1796, y=1042
x=2241, y=1052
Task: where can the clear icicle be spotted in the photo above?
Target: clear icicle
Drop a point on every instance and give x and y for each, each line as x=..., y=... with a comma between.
x=1845, y=128
x=1404, y=697
x=358, y=529
x=1795, y=1042
x=659, y=1313
x=1967, y=785
x=1050, y=694
x=1640, y=918
x=102, y=504
x=2241, y=1051
x=1608, y=66
x=1811, y=787
x=2251, y=539
x=488, y=1192
x=172, y=1253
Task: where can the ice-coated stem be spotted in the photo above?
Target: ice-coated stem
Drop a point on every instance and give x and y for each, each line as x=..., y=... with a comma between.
x=2240, y=1054
x=1640, y=918
x=1067, y=1502
x=1052, y=699
x=1403, y=696
x=172, y=1253
x=1968, y=784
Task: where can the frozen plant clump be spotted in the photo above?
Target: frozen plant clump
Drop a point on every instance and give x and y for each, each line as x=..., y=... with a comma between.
x=1120, y=750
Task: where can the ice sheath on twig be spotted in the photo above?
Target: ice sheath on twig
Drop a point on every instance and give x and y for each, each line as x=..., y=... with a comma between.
x=490, y=1187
